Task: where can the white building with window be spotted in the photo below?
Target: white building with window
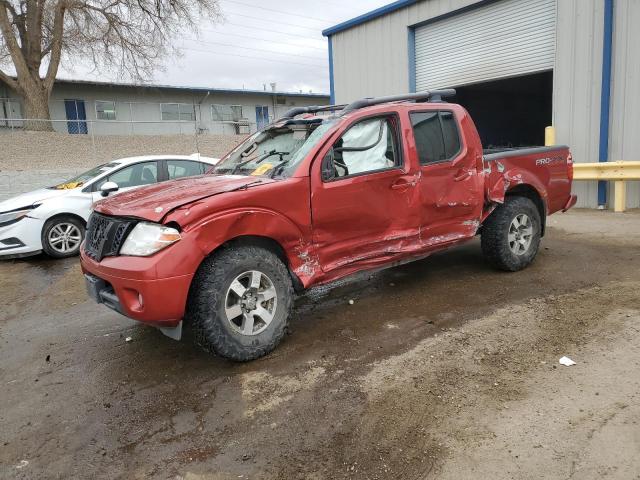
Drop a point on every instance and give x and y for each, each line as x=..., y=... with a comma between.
x=101, y=108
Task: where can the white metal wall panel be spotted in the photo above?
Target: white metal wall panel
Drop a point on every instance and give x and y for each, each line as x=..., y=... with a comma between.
x=372, y=60
x=625, y=95
x=498, y=40
x=576, y=85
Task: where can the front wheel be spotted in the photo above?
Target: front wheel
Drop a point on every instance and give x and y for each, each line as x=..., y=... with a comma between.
x=511, y=234
x=239, y=303
x=62, y=236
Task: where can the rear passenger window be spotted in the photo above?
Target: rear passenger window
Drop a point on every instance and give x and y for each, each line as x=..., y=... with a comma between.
x=184, y=168
x=450, y=134
x=436, y=135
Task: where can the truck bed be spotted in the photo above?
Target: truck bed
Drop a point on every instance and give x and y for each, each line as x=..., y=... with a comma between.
x=491, y=154
x=546, y=169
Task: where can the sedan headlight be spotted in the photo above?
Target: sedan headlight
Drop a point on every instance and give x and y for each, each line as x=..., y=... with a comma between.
x=148, y=238
x=7, y=218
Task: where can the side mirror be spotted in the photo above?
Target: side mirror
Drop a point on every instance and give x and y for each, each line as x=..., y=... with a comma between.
x=107, y=187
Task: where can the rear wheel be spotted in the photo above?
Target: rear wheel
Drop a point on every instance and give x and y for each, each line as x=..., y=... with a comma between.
x=239, y=303
x=511, y=234
x=62, y=236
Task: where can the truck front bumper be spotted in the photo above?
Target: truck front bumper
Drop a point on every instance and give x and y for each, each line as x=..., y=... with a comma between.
x=128, y=286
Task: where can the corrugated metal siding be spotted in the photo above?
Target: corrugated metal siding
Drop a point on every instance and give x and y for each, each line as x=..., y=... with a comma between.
x=624, y=141
x=499, y=40
x=576, y=85
x=372, y=59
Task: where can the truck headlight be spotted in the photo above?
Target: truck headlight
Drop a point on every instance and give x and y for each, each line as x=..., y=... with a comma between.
x=148, y=238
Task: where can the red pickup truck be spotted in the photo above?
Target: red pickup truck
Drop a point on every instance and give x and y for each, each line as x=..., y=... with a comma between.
x=319, y=194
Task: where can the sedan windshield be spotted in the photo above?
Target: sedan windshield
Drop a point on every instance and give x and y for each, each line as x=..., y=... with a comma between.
x=276, y=151
x=81, y=179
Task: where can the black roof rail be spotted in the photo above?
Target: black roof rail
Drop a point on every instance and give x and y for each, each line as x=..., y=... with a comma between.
x=433, y=96
x=313, y=109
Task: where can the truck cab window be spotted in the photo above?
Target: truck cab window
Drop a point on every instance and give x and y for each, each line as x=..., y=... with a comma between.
x=450, y=134
x=367, y=146
x=436, y=135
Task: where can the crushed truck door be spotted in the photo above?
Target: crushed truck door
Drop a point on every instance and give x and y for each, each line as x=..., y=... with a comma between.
x=364, y=195
x=451, y=183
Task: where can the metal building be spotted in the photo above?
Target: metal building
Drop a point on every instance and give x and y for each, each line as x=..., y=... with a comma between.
x=107, y=108
x=518, y=66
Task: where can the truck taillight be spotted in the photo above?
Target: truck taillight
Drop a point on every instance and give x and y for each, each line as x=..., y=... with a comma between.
x=570, y=166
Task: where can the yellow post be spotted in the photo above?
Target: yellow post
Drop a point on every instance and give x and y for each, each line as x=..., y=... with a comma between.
x=620, y=199
x=549, y=136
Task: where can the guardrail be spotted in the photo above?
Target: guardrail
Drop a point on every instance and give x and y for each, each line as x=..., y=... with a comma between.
x=619, y=172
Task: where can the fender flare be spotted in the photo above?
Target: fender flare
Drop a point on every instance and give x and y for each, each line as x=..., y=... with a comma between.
x=231, y=225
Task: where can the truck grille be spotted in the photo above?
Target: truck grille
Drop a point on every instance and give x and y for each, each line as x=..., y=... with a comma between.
x=105, y=235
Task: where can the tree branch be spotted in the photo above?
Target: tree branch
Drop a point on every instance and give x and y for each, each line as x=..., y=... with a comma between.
x=10, y=41
x=56, y=45
x=10, y=81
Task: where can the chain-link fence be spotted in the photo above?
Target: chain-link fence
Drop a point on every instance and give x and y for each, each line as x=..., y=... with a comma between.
x=37, y=153
x=129, y=127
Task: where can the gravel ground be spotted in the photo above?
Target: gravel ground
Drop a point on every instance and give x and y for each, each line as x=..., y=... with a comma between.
x=441, y=369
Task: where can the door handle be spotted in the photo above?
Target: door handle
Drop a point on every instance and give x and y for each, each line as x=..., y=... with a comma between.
x=461, y=175
x=403, y=183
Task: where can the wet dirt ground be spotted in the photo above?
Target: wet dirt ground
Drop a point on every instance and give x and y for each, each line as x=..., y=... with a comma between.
x=442, y=368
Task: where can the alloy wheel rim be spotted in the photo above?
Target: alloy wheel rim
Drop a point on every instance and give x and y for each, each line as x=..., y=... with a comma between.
x=520, y=234
x=250, y=302
x=64, y=237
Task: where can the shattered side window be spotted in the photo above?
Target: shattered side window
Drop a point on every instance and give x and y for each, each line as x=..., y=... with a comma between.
x=367, y=146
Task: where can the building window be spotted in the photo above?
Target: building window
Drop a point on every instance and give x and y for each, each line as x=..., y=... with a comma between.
x=226, y=113
x=105, y=110
x=177, y=111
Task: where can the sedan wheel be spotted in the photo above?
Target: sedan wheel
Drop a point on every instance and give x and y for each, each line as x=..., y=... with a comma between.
x=65, y=238
x=62, y=236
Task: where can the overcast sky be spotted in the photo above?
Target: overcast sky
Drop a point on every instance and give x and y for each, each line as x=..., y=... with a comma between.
x=257, y=43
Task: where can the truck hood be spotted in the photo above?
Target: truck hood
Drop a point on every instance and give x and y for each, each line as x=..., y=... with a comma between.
x=30, y=198
x=154, y=202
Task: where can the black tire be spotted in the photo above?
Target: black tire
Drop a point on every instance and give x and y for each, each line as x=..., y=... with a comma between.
x=495, y=234
x=208, y=296
x=56, y=250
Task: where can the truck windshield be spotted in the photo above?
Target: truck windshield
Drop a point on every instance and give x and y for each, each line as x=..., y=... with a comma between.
x=81, y=179
x=276, y=151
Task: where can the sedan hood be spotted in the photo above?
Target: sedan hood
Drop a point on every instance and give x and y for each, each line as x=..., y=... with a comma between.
x=154, y=202
x=29, y=198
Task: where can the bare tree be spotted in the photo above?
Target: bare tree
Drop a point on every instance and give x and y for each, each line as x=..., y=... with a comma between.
x=127, y=37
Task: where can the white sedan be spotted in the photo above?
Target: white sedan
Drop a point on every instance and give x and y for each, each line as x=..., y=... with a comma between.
x=52, y=220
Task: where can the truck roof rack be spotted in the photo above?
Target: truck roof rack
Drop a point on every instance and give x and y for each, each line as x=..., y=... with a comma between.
x=313, y=109
x=429, y=96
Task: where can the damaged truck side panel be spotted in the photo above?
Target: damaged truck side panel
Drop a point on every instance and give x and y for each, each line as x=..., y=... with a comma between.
x=328, y=216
